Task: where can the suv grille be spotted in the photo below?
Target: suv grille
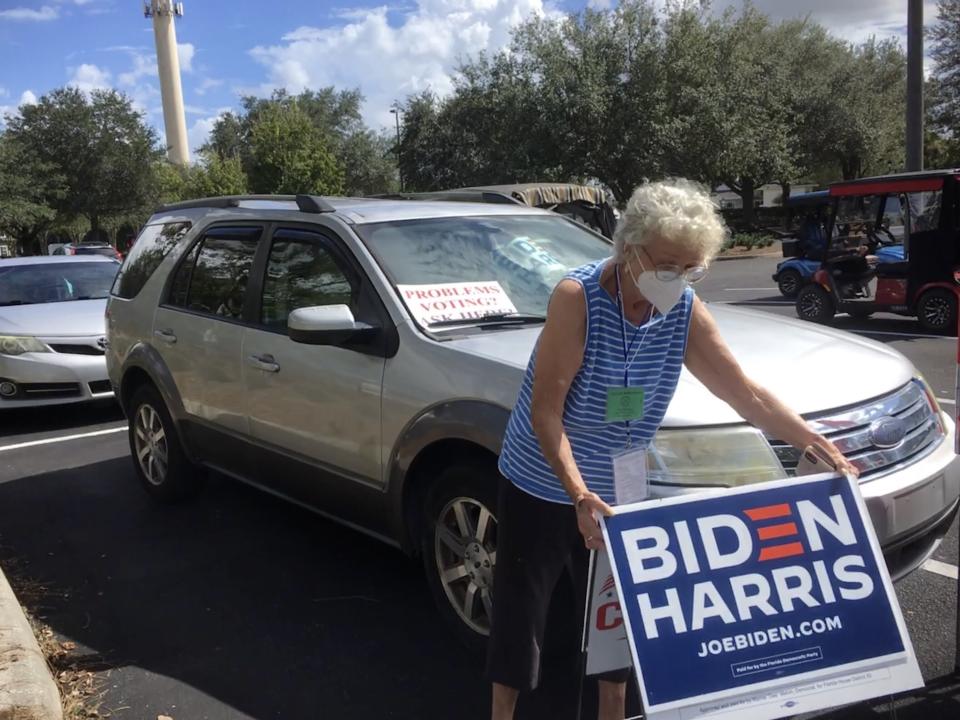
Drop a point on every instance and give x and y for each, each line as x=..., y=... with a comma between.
x=75, y=349
x=850, y=431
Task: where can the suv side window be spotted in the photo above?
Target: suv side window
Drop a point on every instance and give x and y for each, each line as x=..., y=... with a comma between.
x=302, y=271
x=149, y=250
x=213, y=278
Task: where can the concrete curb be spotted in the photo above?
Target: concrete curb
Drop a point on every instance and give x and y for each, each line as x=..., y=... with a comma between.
x=27, y=689
x=751, y=256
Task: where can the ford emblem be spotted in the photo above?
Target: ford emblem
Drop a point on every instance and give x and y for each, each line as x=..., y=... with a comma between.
x=887, y=432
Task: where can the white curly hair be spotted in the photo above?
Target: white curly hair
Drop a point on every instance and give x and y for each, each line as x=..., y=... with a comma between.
x=677, y=210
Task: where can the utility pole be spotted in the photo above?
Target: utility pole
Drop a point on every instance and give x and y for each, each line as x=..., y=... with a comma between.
x=914, y=85
x=395, y=111
x=168, y=63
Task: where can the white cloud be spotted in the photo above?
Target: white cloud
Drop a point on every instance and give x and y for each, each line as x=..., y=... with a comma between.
x=144, y=65
x=3, y=91
x=89, y=77
x=206, y=85
x=186, y=51
x=44, y=14
x=599, y=4
x=389, y=61
x=28, y=98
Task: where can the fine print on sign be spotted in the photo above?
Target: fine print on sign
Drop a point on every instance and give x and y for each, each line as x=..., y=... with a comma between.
x=442, y=302
x=759, y=602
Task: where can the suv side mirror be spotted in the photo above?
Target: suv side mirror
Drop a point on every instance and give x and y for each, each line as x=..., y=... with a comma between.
x=328, y=325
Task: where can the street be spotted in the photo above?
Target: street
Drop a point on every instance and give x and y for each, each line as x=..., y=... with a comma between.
x=239, y=605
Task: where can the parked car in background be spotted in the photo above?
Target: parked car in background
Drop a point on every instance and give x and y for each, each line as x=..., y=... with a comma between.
x=361, y=357
x=52, y=340
x=90, y=248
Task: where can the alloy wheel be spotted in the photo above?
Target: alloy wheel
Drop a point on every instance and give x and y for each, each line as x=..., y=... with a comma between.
x=936, y=312
x=150, y=440
x=789, y=284
x=811, y=305
x=466, y=553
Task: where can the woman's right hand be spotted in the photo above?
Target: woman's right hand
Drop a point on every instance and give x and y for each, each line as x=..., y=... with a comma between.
x=589, y=505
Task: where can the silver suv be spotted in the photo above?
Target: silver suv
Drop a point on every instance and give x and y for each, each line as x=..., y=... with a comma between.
x=360, y=357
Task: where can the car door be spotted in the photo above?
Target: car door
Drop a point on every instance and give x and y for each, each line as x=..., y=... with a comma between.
x=317, y=405
x=198, y=329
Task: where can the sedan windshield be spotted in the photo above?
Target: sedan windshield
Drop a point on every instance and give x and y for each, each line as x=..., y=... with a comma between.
x=499, y=267
x=55, y=282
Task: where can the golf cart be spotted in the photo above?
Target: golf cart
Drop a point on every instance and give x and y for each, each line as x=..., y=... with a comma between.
x=586, y=204
x=892, y=245
x=807, y=216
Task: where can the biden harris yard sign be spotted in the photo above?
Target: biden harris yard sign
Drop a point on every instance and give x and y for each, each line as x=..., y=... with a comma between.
x=758, y=602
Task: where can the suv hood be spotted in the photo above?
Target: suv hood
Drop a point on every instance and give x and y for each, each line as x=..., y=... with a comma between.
x=810, y=368
x=68, y=318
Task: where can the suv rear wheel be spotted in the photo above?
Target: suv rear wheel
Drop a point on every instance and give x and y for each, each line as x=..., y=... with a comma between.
x=158, y=457
x=459, y=547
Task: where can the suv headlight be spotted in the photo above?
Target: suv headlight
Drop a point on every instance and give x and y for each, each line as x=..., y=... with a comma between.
x=725, y=457
x=17, y=345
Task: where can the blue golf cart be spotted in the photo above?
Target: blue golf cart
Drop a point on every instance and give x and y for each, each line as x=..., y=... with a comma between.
x=807, y=216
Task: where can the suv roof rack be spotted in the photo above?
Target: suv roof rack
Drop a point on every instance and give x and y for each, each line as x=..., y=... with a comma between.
x=305, y=203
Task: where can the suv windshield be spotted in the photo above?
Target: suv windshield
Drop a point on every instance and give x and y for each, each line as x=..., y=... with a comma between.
x=467, y=268
x=56, y=282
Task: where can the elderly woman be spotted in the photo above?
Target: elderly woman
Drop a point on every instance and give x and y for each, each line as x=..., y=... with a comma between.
x=596, y=389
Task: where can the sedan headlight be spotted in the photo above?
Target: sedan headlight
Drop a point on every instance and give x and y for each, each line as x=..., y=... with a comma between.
x=725, y=457
x=17, y=345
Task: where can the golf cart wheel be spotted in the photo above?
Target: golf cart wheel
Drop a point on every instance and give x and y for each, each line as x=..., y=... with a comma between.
x=937, y=311
x=160, y=462
x=789, y=282
x=814, y=304
x=459, y=547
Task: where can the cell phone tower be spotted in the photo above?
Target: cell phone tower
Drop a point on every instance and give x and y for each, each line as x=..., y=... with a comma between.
x=168, y=62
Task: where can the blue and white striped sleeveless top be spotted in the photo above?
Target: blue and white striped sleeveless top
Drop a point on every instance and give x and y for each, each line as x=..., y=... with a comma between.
x=655, y=366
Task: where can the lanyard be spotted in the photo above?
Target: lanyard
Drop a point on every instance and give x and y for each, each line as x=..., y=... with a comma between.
x=627, y=360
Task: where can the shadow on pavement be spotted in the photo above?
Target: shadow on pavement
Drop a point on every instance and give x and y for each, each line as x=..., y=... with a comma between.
x=79, y=416
x=255, y=607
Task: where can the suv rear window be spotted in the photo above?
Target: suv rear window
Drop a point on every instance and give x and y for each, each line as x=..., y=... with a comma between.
x=153, y=245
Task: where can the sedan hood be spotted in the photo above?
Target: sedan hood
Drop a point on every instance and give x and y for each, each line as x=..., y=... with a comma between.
x=69, y=318
x=810, y=368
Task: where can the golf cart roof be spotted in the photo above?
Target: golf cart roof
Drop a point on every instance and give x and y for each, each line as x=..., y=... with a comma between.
x=818, y=197
x=900, y=182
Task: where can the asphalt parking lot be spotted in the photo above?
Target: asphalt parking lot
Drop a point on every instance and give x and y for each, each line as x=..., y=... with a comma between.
x=242, y=606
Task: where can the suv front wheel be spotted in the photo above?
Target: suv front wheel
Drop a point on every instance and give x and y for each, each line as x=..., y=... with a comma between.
x=158, y=457
x=459, y=547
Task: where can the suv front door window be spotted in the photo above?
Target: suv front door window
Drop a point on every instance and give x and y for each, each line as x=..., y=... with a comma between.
x=320, y=402
x=201, y=324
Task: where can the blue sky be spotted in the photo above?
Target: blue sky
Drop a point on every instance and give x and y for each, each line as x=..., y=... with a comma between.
x=236, y=47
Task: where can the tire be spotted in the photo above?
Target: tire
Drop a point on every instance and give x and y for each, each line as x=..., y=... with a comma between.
x=159, y=460
x=937, y=311
x=814, y=304
x=789, y=282
x=459, y=540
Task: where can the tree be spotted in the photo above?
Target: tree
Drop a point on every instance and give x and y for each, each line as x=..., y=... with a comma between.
x=945, y=50
x=100, y=147
x=215, y=176
x=27, y=187
x=368, y=165
x=288, y=154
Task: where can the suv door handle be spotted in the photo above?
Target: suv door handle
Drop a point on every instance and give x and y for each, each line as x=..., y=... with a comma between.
x=166, y=336
x=263, y=362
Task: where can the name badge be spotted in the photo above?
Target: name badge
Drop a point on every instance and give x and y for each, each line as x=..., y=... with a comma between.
x=624, y=403
x=630, y=482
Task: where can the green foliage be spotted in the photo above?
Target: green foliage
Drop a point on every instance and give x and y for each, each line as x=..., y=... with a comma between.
x=288, y=154
x=27, y=189
x=98, y=146
x=216, y=176
x=749, y=240
x=945, y=50
x=364, y=159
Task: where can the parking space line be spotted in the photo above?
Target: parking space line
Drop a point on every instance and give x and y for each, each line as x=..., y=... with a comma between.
x=63, y=438
x=902, y=334
x=757, y=289
x=946, y=401
x=941, y=568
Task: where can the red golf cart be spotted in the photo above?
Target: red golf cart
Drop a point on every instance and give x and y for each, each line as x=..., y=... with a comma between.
x=921, y=212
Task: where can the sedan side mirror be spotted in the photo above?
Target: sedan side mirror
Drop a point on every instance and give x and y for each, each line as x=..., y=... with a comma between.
x=328, y=325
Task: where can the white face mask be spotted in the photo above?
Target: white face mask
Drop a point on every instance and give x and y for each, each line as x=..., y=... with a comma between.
x=662, y=294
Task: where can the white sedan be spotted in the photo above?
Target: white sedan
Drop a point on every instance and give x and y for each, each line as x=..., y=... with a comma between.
x=52, y=333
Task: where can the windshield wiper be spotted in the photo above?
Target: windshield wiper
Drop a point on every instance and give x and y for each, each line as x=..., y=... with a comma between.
x=495, y=319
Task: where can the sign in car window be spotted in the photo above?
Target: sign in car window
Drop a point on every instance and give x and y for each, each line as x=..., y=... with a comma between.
x=446, y=302
x=760, y=602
